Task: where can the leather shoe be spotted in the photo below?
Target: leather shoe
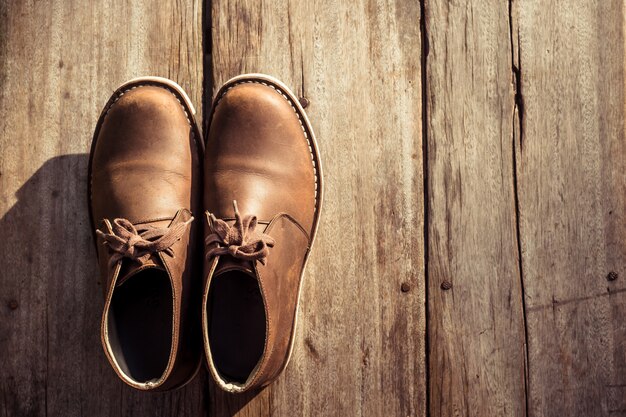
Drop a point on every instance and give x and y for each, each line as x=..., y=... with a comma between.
x=145, y=181
x=263, y=195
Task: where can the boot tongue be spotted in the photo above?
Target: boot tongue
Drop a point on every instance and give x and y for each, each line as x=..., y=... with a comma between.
x=227, y=263
x=131, y=267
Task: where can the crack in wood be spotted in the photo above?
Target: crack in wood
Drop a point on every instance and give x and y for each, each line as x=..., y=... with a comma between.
x=425, y=186
x=207, y=64
x=518, y=112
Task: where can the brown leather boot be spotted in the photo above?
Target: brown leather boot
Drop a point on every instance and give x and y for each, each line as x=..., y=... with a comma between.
x=145, y=182
x=263, y=194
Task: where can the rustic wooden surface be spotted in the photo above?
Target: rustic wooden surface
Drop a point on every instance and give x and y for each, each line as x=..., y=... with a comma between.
x=572, y=205
x=476, y=327
x=59, y=63
x=470, y=258
x=360, y=343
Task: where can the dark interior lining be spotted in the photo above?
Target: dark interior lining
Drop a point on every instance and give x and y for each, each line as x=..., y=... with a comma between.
x=237, y=324
x=140, y=324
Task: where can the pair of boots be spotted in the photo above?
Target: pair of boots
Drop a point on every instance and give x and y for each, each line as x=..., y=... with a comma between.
x=228, y=280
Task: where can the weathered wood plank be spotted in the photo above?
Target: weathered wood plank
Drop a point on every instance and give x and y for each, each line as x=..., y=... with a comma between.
x=59, y=62
x=573, y=205
x=360, y=343
x=360, y=347
x=476, y=326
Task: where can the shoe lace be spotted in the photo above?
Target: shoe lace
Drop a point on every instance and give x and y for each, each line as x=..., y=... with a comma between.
x=241, y=240
x=138, y=243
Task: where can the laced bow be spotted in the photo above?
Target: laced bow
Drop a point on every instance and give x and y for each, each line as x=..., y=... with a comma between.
x=240, y=240
x=138, y=243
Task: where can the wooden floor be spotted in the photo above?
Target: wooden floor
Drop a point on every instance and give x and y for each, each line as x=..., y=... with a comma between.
x=471, y=259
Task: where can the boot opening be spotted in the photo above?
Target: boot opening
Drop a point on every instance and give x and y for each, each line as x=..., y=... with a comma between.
x=237, y=324
x=140, y=325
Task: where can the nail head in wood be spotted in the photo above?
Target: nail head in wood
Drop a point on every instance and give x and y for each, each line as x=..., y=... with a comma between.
x=304, y=102
x=446, y=285
x=611, y=276
x=13, y=304
x=405, y=287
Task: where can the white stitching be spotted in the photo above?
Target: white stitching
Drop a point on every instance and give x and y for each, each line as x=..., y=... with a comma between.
x=306, y=136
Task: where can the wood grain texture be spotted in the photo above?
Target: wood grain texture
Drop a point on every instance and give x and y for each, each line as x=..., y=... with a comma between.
x=360, y=343
x=518, y=259
x=59, y=62
x=476, y=322
x=573, y=205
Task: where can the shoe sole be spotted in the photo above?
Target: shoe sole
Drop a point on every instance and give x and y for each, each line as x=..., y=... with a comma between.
x=190, y=112
x=316, y=160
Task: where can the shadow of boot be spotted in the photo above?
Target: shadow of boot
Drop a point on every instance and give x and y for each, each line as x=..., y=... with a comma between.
x=50, y=307
x=49, y=320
